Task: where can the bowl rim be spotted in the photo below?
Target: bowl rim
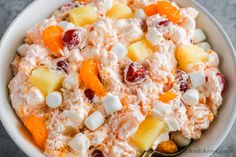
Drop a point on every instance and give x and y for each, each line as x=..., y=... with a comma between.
x=216, y=23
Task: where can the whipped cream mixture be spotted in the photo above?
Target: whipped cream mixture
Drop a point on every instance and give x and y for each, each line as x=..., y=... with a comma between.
x=94, y=72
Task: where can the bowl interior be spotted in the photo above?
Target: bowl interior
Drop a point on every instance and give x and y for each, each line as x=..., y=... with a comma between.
x=40, y=9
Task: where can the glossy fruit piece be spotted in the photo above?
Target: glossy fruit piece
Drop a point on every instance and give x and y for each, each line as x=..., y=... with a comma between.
x=150, y=9
x=38, y=129
x=62, y=155
x=62, y=65
x=97, y=153
x=189, y=55
x=84, y=1
x=52, y=38
x=140, y=50
x=147, y=132
x=46, y=80
x=168, y=96
x=182, y=80
x=165, y=8
x=89, y=76
x=71, y=38
x=135, y=73
x=164, y=23
x=83, y=15
x=167, y=147
x=89, y=94
x=120, y=11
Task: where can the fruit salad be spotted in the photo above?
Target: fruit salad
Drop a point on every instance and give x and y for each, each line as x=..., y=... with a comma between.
x=116, y=78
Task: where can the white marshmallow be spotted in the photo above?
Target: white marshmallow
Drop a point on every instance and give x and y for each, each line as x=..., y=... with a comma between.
x=161, y=109
x=179, y=139
x=188, y=24
x=71, y=81
x=94, y=121
x=199, y=36
x=172, y=123
x=131, y=32
x=178, y=34
x=75, y=118
x=35, y=97
x=22, y=50
x=80, y=144
x=66, y=25
x=153, y=36
x=213, y=59
x=54, y=99
x=75, y=56
x=119, y=49
x=112, y=103
x=204, y=45
x=191, y=12
x=191, y=97
x=140, y=14
x=197, y=79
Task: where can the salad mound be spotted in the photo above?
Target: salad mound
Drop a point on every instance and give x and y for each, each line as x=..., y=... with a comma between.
x=116, y=78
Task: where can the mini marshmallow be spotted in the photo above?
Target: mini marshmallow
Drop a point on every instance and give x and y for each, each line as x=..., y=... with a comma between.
x=75, y=56
x=80, y=143
x=54, y=99
x=22, y=50
x=132, y=32
x=204, y=45
x=191, y=97
x=35, y=97
x=197, y=79
x=179, y=139
x=140, y=14
x=112, y=103
x=213, y=59
x=74, y=117
x=153, y=36
x=161, y=109
x=192, y=12
x=119, y=49
x=71, y=81
x=172, y=123
x=94, y=121
x=188, y=24
x=178, y=34
x=66, y=25
x=199, y=36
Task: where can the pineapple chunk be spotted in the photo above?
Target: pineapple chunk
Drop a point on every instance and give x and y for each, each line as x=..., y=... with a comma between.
x=47, y=81
x=83, y=15
x=147, y=132
x=120, y=11
x=140, y=50
x=190, y=55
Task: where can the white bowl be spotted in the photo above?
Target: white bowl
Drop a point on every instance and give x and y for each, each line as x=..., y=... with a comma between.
x=40, y=9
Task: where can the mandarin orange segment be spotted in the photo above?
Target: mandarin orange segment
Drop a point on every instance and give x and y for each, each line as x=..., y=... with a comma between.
x=38, y=129
x=168, y=147
x=165, y=8
x=52, y=38
x=84, y=1
x=150, y=9
x=166, y=97
x=89, y=76
x=62, y=155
